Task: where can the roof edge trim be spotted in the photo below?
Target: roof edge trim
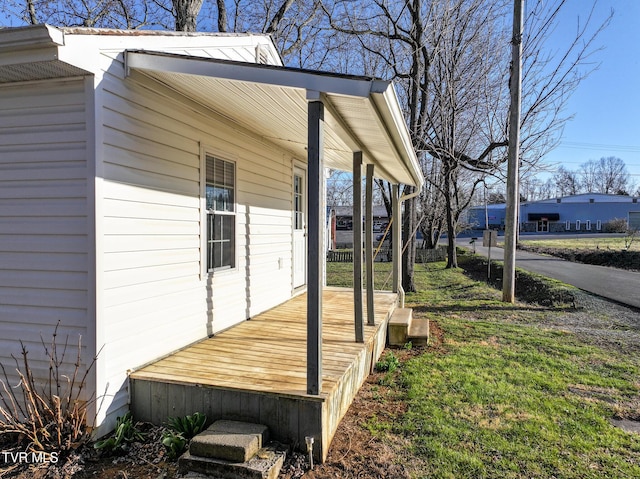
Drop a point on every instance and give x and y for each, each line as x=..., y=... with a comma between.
x=31, y=37
x=400, y=133
x=324, y=82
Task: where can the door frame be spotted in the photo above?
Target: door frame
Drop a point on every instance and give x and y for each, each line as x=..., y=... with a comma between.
x=299, y=234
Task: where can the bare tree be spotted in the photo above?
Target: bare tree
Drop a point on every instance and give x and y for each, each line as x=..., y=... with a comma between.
x=294, y=26
x=128, y=14
x=451, y=58
x=613, y=176
x=566, y=182
x=588, y=177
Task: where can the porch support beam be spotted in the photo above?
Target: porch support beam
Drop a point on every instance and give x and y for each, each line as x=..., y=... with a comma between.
x=315, y=226
x=357, y=246
x=368, y=238
x=396, y=237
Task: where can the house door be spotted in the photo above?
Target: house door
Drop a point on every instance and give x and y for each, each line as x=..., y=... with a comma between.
x=299, y=227
x=543, y=225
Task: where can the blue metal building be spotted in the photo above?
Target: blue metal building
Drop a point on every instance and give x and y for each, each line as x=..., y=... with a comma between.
x=589, y=212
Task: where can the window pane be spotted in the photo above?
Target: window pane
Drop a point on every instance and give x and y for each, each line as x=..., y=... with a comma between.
x=220, y=180
x=220, y=197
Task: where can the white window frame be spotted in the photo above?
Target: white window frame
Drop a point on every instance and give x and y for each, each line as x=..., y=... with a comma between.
x=578, y=225
x=567, y=225
x=204, y=155
x=588, y=225
x=599, y=225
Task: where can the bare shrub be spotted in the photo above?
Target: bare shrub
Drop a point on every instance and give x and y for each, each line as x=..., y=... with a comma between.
x=51, y=416
x=616, y=225
x=630, y=235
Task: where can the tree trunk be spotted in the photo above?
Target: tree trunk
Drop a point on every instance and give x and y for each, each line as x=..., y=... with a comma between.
x=186, y=12
x=222, y=16
x=452, y=258
x=33, y=19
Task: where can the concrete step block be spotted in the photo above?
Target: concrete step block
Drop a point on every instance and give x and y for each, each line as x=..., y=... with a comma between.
x=399, y=324
x=230, y=441
x=265, y=464
x=419, y=332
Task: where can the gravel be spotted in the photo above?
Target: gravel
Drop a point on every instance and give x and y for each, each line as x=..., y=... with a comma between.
x=601, y=322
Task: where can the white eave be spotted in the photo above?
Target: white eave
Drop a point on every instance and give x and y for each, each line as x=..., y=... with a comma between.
x=32, y=53
x=30, y=37
x=361, y=114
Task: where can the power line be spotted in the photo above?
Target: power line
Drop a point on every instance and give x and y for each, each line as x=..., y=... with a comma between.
x=575, y=145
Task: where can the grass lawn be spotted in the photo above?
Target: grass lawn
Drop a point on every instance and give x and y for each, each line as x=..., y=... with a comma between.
x=604, y=243
x=501, y=395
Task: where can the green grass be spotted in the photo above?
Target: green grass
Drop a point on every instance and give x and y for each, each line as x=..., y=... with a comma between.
x=513, y=401
x=604, y=243
x=341, y=274
x=503, y=397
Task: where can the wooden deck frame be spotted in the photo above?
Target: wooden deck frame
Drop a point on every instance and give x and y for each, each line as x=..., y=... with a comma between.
x=256, y=371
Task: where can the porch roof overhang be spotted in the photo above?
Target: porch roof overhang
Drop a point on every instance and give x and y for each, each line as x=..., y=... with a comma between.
x=361, y=113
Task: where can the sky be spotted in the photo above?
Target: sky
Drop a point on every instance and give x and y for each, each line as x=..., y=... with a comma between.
x=606, y=105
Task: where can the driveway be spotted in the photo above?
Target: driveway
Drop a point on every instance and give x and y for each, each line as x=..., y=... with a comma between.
x=616, y=284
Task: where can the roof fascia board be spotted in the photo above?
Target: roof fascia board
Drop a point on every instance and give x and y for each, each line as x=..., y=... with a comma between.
x=17, y=57
x=32, y=37
x=38, y=43
x=394, y=124
x=254, y=73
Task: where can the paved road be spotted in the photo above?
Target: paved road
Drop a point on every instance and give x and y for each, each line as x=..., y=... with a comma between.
x=617, y=284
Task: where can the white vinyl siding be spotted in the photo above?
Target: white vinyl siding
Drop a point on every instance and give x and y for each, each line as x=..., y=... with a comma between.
x=155, y=299
x=44, y=227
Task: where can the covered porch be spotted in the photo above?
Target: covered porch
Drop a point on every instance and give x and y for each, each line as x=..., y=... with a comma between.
x=257, y=372
x=297, y=367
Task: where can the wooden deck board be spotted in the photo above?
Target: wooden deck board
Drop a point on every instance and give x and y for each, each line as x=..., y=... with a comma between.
x=268, y=352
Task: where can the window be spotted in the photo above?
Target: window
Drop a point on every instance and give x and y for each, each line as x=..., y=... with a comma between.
x=567, y=225
x=221, y=217
x=588, y=225
x=298, y=205
x=599, y=225
x=578, y=226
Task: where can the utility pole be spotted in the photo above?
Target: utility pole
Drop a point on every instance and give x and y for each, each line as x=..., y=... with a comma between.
x=513, y=191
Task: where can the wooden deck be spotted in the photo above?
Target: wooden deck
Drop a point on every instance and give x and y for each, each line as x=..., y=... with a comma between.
x=256, y=371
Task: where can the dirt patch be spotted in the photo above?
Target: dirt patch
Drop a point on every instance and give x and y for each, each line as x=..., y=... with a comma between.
x=142, y=460
x=622, y=259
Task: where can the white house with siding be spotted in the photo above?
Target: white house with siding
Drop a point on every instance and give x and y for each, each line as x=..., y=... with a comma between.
x=153, y=187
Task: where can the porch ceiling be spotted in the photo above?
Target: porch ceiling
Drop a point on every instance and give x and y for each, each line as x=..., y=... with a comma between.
x=361, y=114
